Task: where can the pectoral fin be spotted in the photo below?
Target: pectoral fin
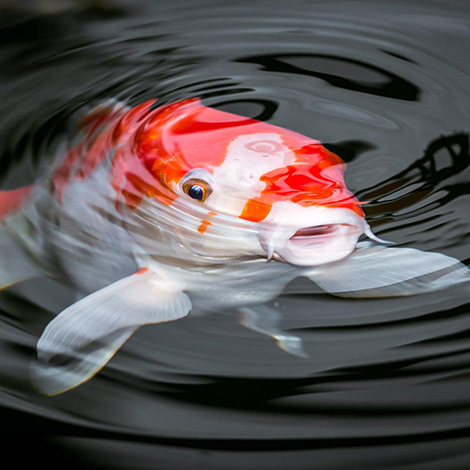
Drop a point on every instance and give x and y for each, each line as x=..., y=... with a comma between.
x=85, y=336
x=377, y=271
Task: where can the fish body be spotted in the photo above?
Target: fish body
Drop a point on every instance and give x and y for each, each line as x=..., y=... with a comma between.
x=115, y=203
x=158, y=211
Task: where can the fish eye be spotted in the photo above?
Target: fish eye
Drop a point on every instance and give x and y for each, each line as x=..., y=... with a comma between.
x=196, y=192
x=197, y=189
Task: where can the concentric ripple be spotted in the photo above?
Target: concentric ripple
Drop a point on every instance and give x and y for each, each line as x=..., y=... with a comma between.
x=382, y=84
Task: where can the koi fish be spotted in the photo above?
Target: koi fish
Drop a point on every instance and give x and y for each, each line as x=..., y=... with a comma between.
x=156, y=212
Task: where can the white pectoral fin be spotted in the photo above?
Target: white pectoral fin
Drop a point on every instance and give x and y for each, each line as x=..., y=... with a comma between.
x=80, y=341
x=377, y=271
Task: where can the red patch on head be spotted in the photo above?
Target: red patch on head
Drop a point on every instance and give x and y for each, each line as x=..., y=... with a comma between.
x=316, y=178
x=179, y=137
x=155, y=148
x=187, y=135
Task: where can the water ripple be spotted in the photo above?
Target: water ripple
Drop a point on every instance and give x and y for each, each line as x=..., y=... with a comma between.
x=383, y=85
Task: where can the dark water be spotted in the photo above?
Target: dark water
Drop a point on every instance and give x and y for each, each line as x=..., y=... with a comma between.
x=383, y=84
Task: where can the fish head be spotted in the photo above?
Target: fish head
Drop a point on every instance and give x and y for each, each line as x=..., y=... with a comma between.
x=230, y=186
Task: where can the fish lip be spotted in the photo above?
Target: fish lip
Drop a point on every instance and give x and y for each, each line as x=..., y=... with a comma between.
x=314, y=232
x=309, y=245
x=320, y=244
x=317, y=237
x=310, y=236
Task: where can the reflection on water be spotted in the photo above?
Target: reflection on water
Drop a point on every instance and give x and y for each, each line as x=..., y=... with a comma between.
x=386, y=380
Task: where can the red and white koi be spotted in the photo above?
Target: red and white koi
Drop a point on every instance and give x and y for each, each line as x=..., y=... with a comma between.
x=159, y=211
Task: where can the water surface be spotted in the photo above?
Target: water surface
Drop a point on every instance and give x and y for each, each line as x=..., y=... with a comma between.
x=386, y=385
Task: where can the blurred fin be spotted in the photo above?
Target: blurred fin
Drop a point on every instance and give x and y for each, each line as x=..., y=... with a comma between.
x=377, y=271
x=12, y=200
x=265, y=320
x=15, y=266
x=80, y=341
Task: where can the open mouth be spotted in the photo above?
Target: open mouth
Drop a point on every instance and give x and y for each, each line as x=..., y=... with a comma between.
x=319, y=244
x=318, y=234
x=316, y=230
x=316, y=244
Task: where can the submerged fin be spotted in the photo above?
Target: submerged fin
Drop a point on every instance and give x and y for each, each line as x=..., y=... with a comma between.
x=377, y=271
x=265, y=320
x=15, y=266
x=85, y=336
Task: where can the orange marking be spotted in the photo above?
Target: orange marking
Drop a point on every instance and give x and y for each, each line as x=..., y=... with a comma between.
x=256, y=210
x=203, y=227
x=141, y=271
